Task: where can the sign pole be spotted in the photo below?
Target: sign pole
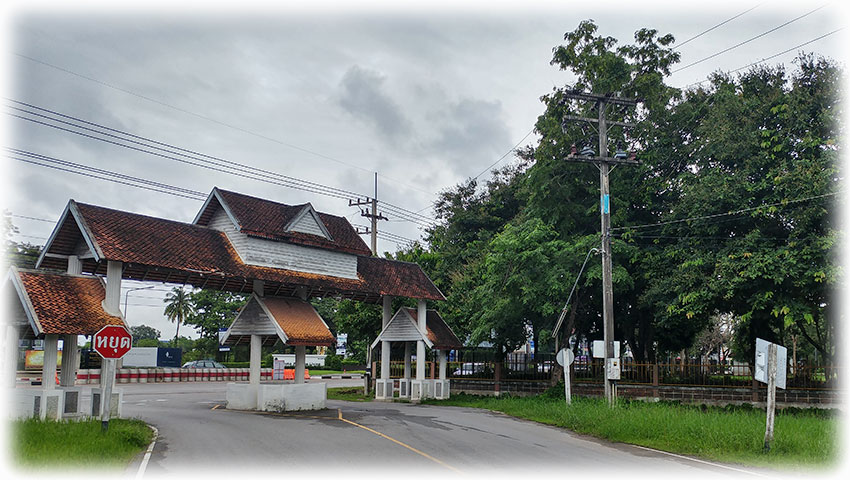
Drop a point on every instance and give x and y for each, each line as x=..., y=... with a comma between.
x=106, y=399
x=567, y=393
x=771, y=395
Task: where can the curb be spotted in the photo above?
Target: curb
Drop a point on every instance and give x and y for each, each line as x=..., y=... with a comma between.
x=355, y=376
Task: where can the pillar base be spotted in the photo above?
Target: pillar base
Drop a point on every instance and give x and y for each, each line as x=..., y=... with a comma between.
x=441, y=389
x=40, y=403
x=241, y=396
x=71, y=403
x=421, y=389
x=404, y=388
x=383, y=389
x=115, y=406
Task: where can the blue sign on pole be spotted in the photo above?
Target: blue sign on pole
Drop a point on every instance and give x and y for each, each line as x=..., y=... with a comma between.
x=606, y=203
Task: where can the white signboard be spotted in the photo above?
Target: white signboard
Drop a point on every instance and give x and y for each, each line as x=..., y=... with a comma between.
x=341, y=343
x=761, y=362
x=141, y=357
x=599, y=349
x=565, y=354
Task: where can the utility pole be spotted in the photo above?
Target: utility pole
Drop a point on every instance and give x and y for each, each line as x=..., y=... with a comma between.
x=371, y=214
x=604, y=163
x=374, y=216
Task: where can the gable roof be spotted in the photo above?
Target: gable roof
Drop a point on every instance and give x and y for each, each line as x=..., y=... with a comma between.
x=164, y=250
x=262, y=218
x=292, y=320
x=61, y=304
x=404, y=327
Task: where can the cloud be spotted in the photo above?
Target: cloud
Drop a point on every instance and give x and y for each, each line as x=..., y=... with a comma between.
x=472, y=132
x=363, y=96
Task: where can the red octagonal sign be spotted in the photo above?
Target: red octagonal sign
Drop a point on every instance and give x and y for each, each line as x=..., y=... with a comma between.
x=112, y=341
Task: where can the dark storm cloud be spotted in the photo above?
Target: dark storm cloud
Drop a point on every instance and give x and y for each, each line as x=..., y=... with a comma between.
x=363, y=96
x=472, y=130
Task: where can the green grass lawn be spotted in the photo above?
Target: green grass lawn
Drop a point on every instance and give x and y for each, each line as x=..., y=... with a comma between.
x=731, y=434
x=351, y=394
x=81, y=444
x=332, y=372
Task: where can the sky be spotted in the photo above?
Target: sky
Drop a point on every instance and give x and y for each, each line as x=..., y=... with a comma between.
x=427, y=95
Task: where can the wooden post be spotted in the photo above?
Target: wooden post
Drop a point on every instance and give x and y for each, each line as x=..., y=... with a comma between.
x=771, y=395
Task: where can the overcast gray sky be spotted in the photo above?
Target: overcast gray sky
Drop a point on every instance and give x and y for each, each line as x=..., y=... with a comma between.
x=426, y=96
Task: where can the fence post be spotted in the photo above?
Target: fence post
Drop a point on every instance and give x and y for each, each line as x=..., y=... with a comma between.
x=497, y=378
x=755, y=387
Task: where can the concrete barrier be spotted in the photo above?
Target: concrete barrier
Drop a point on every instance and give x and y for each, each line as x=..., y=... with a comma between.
x=144, y=375
x=166, y=374
x=184, y=375
x=82, y=376
x=94, y=376
x=134, y=375
x=123, y=375
x=220, y=374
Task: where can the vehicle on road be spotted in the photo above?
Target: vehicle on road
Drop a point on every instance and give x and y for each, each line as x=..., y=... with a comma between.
x=203, y=364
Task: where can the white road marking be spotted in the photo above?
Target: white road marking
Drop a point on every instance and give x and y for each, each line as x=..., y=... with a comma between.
x=703, y=461
x=144, y=464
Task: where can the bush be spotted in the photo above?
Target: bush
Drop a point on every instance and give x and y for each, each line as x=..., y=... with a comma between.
x=333, y=362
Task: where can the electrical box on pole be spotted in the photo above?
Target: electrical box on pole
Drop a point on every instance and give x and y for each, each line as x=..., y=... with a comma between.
x=605, y=164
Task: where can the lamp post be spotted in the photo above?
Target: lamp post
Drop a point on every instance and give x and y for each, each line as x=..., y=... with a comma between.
x=127, y=294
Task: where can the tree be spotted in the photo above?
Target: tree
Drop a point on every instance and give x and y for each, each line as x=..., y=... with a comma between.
x=213, y=310
x=144, y=332
x=178, y=307
x=18, y=254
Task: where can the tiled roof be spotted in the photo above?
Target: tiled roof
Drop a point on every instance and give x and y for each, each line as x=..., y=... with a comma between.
x=157, y=249
x=440, y=334
x=299, y=321
x=267, y=219
x=66, y=304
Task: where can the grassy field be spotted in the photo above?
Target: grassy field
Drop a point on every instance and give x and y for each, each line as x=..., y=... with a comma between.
x=50, y=444
x=732, y=434
x=351, y=394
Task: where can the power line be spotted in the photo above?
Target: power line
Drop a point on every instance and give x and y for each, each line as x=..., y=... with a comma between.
x=747, y=41
x=33, y=218
x=714, y=27
x=772, y=56
x=505, y=155
x=716, y=215
x=172, y=152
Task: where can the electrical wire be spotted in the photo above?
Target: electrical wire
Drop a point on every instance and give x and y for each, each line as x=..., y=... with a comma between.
x=714, y=27
x=505, y=155
x=718, y=215
x=747, y=41
x=171, y=152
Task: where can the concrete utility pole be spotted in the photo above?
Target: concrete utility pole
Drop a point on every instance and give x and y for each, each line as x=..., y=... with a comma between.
x=604, y=162
x=374, y=216
x=371, y=214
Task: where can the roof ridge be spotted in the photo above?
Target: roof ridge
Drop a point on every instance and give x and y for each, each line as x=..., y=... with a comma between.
x=205, y=227
x=298, y=205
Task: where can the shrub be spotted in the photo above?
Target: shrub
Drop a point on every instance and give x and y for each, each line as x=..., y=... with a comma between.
x=333, y=362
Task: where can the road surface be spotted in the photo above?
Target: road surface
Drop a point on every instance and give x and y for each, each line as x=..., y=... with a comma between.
x=197, y=434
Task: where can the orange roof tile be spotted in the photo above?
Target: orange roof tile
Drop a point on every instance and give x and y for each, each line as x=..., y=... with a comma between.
x=66, y=304
x=299, y=321
x=439, y=332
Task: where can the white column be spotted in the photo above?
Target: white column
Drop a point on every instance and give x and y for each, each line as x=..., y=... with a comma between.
x=300, y=360
x=75, y=266
x=48, y=371
x=70, y=361
x=421, y=315
x=442, y=354
x=113, y=287
x=407, y=360
x=256, y=347
x=385, y=360
x=387, y=312
x=10, y=357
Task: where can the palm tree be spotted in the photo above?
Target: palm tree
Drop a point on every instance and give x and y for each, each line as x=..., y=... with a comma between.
x=178, y=307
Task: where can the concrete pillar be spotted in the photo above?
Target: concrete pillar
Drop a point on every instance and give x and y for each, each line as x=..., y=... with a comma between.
x=10, y=357
x=387, y=312
x=75, y=266
x=113, y=288
x=259, y=287
x=256, y=351
x=420, y=360
x=385, y=360
x=70, y=361
x=300, y=360
x=407, y=360
x=48, y=371
x=442, y=356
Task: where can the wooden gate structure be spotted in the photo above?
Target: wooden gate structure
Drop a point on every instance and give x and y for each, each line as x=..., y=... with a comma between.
x=278, y=253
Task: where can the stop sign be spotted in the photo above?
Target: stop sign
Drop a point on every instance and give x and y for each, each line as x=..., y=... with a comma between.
x=112, y=341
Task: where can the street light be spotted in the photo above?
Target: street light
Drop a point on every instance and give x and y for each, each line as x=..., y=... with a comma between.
x=127, y=294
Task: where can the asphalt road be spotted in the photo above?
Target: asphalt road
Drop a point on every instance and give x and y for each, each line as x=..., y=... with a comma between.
x=197, y=434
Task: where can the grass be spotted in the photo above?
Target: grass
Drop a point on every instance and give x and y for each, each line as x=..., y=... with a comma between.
x=351, y=394
x=51, y=444
x=733, y=434
x=333, y=372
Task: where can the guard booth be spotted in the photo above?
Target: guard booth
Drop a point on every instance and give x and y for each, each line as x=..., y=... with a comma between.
x=423, y=328
x=241, y=244
x=263, y=321
x=49, y=306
